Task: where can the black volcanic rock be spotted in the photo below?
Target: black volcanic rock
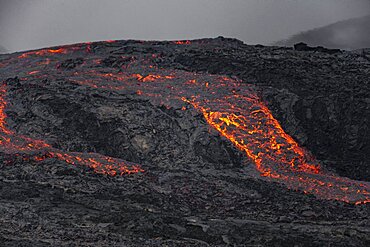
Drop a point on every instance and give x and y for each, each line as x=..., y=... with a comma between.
x=304, y=47
x=71, y=63
x=198, y=189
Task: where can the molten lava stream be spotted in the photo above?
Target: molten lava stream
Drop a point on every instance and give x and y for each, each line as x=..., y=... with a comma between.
x=244, y=120
x=30, y=149
x=250, y=126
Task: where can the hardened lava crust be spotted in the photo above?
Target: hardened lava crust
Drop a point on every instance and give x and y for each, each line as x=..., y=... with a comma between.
x=206, y=142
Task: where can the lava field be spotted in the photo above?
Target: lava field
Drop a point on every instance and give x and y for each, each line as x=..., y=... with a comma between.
x=206, y=142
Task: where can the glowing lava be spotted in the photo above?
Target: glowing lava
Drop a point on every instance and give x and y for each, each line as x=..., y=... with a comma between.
x=43, y=52
x=249, y=125
x=229, y=106
x=182, y=42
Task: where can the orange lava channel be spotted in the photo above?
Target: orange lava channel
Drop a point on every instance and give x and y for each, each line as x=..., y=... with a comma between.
x=250, y=126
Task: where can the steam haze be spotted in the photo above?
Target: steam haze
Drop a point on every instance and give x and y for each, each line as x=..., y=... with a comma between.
x=31, y=24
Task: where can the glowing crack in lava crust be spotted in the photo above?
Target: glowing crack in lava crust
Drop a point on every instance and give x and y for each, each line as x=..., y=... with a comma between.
x=230, y=106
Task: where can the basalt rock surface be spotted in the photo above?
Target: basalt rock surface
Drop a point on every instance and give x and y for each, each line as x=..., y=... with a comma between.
x=193, y=187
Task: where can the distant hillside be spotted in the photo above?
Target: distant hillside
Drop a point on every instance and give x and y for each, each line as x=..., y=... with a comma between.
x=348, y=35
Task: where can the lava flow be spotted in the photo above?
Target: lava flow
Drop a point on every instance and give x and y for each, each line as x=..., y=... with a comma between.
x=229, y=106
x=37, y=150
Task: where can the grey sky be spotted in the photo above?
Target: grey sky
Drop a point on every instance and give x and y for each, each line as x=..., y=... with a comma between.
x=32, y=24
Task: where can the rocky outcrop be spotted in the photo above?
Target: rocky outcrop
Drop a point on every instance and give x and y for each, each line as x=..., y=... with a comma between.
x=304, y=47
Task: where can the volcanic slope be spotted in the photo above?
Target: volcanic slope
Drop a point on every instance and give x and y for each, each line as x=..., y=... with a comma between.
x=118, y=142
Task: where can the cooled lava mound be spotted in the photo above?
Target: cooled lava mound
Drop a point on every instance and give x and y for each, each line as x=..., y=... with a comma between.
x=195, y=143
